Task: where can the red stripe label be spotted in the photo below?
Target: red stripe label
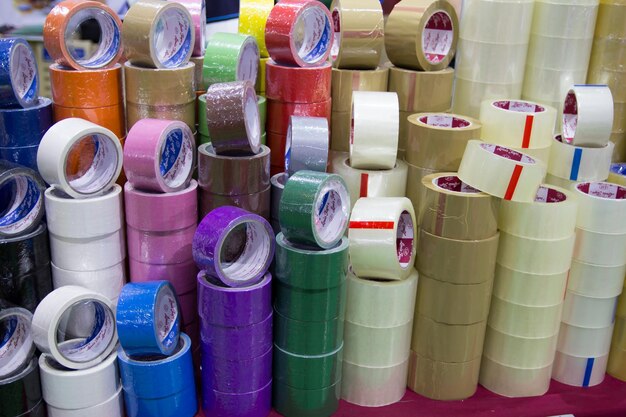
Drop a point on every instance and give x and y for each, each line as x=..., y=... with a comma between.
x=364, y=184
x=510, y=190
x=528, y=130
x=371, y=225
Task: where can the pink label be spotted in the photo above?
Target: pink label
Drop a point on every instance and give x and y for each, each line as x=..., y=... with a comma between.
x=519, y=106
x=603, y=190
x=507, y=153
x=549, y=195
x=441, y=120
x=437, y=37
x=404, y=239
x=454, y=183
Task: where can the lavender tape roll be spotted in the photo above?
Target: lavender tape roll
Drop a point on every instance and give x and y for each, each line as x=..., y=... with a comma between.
x=233, y=376
x=234, y=246
x=250, y=404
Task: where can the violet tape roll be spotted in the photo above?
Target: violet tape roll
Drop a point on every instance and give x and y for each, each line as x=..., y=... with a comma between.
x=160, y=248
x=197, y=10
x=308, y=337
x=233, y=245
x=235, y=376
x=588, y=115
x=578, y=163
x=111, y=407
x=230, y=57
x=159, y=155
x=306, y=144
x=601, y=207
x=17, y=347
x=277, y=182
x=233, y=118
x=182, y=276
x=257, y=203
x=107, y=281
x=21, y=393
x=148, y=319
x=48, y=327
x=373, y=386
x=579, y=371
x=250, y=404
x=22, y=205
x=19, y=79
x=307, y=372
x=293, y=402
x=309, y=305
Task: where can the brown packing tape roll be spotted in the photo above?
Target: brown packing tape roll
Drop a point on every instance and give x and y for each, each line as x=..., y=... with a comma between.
x=86, y=88
x=198, y=61
x=447, y=342
x=617, y=355
x=441, y=380
x=345, y=81
x=422, y=91
x=111, y=117
x=457, y=261
x=610, y=20
x=456, y=211
x=258, y=203
x=340, y=131
x=619, y=139
x=160, y=87
x=619, y=116
x=415, y=190
x=186, y=113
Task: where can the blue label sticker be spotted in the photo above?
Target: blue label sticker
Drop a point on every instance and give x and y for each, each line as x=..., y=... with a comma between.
x=28, y=203
x=171, y=150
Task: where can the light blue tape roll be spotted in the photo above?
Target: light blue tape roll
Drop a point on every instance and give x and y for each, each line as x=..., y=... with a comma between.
x=148, y=318
x=19, y=81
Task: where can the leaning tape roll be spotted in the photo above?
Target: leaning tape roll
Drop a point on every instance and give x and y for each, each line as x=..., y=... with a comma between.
x=21, y=394
x=22, y=191
x=344, y=82
x=306, y=145
x=285, y=83
x=252, y=17
x=19, y=81
x=601, y=207
x=17, y=346
x=230, y=57
x=588, y=115
x=578, y=163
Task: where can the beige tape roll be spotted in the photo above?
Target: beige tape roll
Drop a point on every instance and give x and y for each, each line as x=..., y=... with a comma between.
x=340, y=123
x=447, y=342
x=596, y=280
x=612, y=73
x=583, y=311
x=536, y=256
x=510, y=381
x=577, y=163
x=620, y=310
x=499, y=61
x=600, y=248
x=579, y=371
x=373, y=387
x=468, y=95
x=585, y=341
x=422, y=91
x=160, y=87
x=438, y=140
x=500, y=171
x=415, y=190
x=345, y=81
x=370, y=183
x=441, y=380
x=378, y=347
x=197, y=61
x=559, y=182
x=359, y=33
x=422, y=34
x=519, y=352
x=456, y=261
x=601, y=207
x=403, y=133
x=185, y=113
x=533, y=290
x=449, y=303
x=455, y=210
x=524, y=321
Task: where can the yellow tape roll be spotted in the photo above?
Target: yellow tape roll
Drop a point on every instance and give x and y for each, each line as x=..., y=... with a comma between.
x=617, y=356
x=252, y=17
x=345, y=82
x=422, y=91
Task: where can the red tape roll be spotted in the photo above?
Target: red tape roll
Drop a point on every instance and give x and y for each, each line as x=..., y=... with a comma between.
x=279, y=113
x=284, y=83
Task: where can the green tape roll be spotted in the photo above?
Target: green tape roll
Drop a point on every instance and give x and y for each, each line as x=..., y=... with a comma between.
x=293, y=402
x=203, y=129
x=309, y=305
x=307, y=372
x=310, y=269
x=314, y=208
x=230, y=57
x=308, y=337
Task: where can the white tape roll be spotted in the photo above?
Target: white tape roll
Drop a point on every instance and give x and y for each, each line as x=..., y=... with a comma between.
x=382, y=237
x=50, y=321
x=108, y=281
x=377, y=347
x=579, y=371
x=519, y=352
x=500, y=171
x=588, y=115
x=95, y=253
x=536, y=256
x=510, y=381
x=517, y=123
x=596, y=280
x=17, y=346
x=373, y=387
x=112, y=407
x=600, y=248
x=577, y=163
x=524, y=321
x=538, y=290
x=306, y=144
x=585, y=341
x=579, y=310
x=498, y=61
x=69, y=138
x=375, y=128
x=601, y=207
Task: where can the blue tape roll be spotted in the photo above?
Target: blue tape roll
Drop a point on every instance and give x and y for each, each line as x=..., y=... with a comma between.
x=25, y=127
x=182, y=404
x=25, y=156
x=19, y=80
x=21, y=199
x=148, y=318
x=619, y=168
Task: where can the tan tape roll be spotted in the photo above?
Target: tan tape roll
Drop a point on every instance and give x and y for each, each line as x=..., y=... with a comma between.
x=609, y=22
x=615, y=79
x=514, y=382
x=442, y=380
x=596, y=280
x=601, y=207
x=186, y=113
x=585, y=341
x=617, y=355
x=340, y=123
x=447, y=342
x=581, y=310
x=422, y=91
x=579, y=371
x=160, y=87
x=453, y=303
x=600, y=248
x=376, y=346
x=422, y=34
x=620, y=310
x=403, y=129
x=519, y=352
x=533, y=290
x=524, y=321
x=372, y=386
x=415, y=190
x=438, y=140
x=345, y=81
x=456, y=261
x=536, y=256
x=197, y=61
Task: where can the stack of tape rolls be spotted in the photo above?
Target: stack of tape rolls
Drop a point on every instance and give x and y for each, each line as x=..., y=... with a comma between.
x=595, y=282
x=203, y=128
x=310, y=294
x=534, y=257
x=559, y=49
x=453, y=291
x=230, y=57
x=606, y=66
x=21, y=393
x=234, y=249
x=492, y=50
x=382, y=253
x=435, y=142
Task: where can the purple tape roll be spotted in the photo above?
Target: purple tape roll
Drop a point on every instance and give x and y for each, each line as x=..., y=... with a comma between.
x=237, y=343
x=251, y=404
x=235, y=377
x=160, y=248
x=182, y=276
x=234, y=246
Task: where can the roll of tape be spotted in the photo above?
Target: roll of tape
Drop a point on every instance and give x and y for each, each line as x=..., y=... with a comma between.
x=84, y=89
x=181, y=403
x=438, y=140
x=182, y=275
x=261, y=76
x=579, y=371
x=345, y=82
x=422, y=34
x=340, y=126
x=469, y=94
x=377, y=347
x=528, y=289
x=17, y=346
x=307, y=372
x=600, y=207
x=189, y=308
x=519, y=352
x=198, y=79
x=359, y=34
x=382, y=238
x=25, y=127
x=112, y=406
x=197, y=10
x=433, y=340
x=535, y=256
x=587, y=115
x=110, y=117
x=374, y=133
x=299, y=22
x=596, y=280
x=585, y=341
x=284, y=83
x=279, y=113
x=500, y=171
x=373, y=387
x=252, y=17
x=511, y=381
x=183, y=112
x=617, y=174
x=291, y=401
x=258, y=402
x=559, y=182
x=257, y=203
x=19, y=79
x=237, y=344
x=415, y=190
x=230, y=57
x=309, y=305
x=501, y=61
x=21, y=393
x=79, y=353
x=22, y=192
x=160, y=87
x=308, y=337
x=599, y=248
x=421, y=91
x=583, y=311
x=524, y=321
x=278, y=182
x=551, y=52
x=108, y=281
x=97, y=253
x=157, y=34
x=61, y=26
x=501, y=17
x=306, y=144
x=577, y=163
x=617, y=353
x=233, y=118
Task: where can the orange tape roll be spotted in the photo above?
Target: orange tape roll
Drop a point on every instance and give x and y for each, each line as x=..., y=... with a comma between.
x=111, y=117
x=86, y=88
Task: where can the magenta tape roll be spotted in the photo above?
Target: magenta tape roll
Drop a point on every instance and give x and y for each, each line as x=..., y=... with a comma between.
x=251, y=404
x=161, y=212
x=237, y=343
x=188, y=303
x=182, y=276
x=235, y=377
x=160, y=248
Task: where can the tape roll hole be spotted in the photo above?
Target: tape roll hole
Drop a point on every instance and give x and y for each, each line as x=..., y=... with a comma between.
x=167, y=322
x=176, y=157
x=454, y=184
x=23, y=72
x=518, y=106
x=244, y=251
x=549, y=195
x=440, y=120
x=248, y=61
x=172, y=37
x=437, y=37
x=507, y=153
x=331, y=211
x=20, y=204
x=155, y=357
x=252, y=119
x=311, y=34
x=108, y=34
x=91, y=163
x=570, y=117
x=605, y=190
x=16, y=342
x=404, y=240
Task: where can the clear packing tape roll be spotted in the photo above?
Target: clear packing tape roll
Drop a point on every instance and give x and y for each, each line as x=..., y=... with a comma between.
x=519, y=352
x=497, y=22
x=468, y=95
x=585, y=341
x=600, y=207
x=511, y=381
x=596, y=280
x=536, y=256
x=579, y=163
x=524, y=321
x=582, y=311
x=529, y=289
x=372, y=386
x=500, y=61
x=617, y=356
x=555, y=53
x=579, y=371
x=588, y=115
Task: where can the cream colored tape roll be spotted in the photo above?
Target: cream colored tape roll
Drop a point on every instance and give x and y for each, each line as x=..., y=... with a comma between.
x=550, y=86
x=455, y=210
x=345, y=81
x=453, y=303
x=572, y=19
x=447, y=342
x=600, y=248
x=96, y=253
x=499, y=61
x=456, y=261
x=596, y=280
x=422, y=91
x=510, y=381
x=617, y=174
x=538, y=290
x=519, y=352
x=376, y=346
x=565, y=54
x=585, y=341
x=161, y=87
x=112, y=407
x=536, y=256
x=517, y=123
x=588, y=115
x=617, y=355
x=579, y=310
x=524, y=321
x=579, y=371
x=609, y=50
x=577, y=163
x=374, y=133
x=415, y=190
x=375, y=303
x=370, y=183
x=601, y=207
x=438, y=140
x=500, y=171
x=559, y=182
x=359, y=33
x=497, y=22
x=382, y=234
x=468, y=95
x=373, y=387
x=541, y=154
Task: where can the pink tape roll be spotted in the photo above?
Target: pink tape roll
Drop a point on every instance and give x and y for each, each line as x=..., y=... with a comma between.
x=197, y=9
x=161, y=248
x=182, y=276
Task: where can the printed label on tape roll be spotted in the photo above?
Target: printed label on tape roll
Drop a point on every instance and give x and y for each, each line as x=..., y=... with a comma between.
x=21, y=189
x=20, y=80
x=588, y=115
x=16, y=341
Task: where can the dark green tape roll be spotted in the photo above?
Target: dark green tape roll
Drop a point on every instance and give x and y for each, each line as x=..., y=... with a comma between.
x=307, y=337
x=309, y=305
x=307, y=372
x=293, y=402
